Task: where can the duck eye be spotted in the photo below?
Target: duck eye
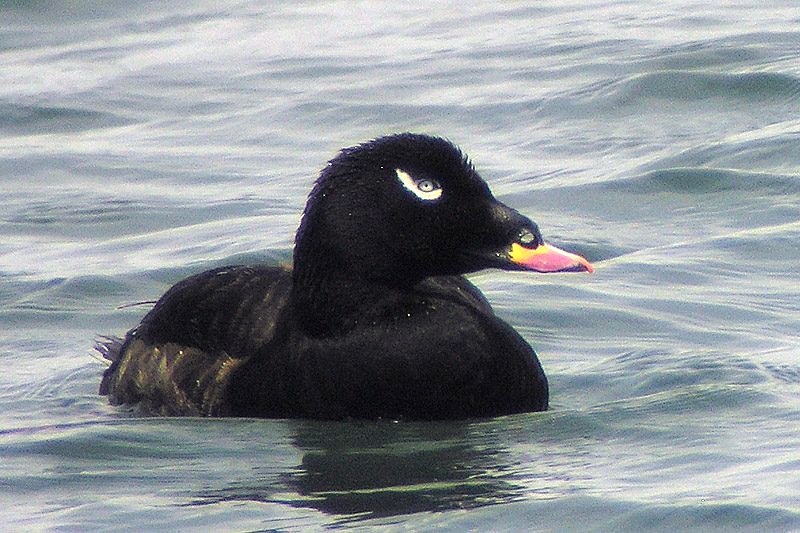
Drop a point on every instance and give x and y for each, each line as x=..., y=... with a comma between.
x=424, y=189
x=427, y=185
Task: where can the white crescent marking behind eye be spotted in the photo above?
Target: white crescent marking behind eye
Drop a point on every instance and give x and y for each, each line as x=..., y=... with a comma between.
x=412, y=186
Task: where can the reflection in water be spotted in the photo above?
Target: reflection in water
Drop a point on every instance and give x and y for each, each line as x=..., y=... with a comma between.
x=383, y=469
x=386, y=469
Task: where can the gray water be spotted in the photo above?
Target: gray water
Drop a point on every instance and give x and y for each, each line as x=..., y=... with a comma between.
x=143, y=142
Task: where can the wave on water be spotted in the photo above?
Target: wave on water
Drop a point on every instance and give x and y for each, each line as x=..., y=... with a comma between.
x=768, y=149
x=18, y=119
x=681, y=85
x=705, y=180
x=677, y=91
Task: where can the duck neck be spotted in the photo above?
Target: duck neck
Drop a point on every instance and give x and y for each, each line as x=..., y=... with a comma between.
x=327, y=301
x=336, y=285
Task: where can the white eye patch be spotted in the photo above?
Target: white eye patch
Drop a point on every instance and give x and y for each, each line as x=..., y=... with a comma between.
x=425, y=189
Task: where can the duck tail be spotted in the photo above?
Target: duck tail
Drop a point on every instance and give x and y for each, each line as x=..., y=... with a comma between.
x=110, y=348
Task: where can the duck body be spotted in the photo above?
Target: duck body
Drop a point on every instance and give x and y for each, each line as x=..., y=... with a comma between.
x=374, y=320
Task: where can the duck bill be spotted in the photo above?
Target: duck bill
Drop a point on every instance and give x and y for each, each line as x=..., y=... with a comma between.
x=545, y=258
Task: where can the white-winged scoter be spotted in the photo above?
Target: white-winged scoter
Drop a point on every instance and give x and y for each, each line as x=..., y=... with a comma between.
x=374, y=320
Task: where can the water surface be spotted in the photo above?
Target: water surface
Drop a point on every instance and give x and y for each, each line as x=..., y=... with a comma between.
x=143, y=143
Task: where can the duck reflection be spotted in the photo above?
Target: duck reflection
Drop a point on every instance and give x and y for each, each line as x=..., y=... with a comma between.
x=386, y=469
x=378, y=469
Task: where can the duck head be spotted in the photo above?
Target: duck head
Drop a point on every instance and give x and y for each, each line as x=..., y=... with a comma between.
x=403, y=207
